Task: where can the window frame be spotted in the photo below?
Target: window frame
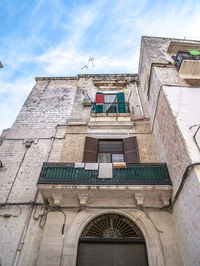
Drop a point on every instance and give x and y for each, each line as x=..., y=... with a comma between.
x=130, y=150
x=119, y=104
x=111, y=152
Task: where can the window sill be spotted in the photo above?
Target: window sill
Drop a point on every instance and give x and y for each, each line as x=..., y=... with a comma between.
x=109, y=114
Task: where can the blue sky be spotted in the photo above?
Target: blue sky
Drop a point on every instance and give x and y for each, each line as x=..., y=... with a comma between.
x=57, y=37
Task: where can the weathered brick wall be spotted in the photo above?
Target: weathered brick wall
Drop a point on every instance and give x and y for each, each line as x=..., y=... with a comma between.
x=48, y=104
x=21, y=169
x=57, y=144
x=169, y=137
x=10, y=233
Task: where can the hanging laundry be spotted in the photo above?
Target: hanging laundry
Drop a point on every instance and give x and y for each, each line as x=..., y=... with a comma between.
x=99, y=101
x=99, y=98
x=194, y=52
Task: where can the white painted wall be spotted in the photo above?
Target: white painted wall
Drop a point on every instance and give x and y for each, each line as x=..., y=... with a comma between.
x=185, y=105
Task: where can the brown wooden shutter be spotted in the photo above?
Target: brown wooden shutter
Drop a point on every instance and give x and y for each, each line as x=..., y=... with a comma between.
x=90, y=151
x=131, y=153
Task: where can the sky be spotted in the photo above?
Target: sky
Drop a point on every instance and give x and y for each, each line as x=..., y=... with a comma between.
x=57, y=38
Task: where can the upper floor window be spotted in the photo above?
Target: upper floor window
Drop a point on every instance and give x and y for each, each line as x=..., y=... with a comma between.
x=110, y=102
x=110, y=151
x=107, y=151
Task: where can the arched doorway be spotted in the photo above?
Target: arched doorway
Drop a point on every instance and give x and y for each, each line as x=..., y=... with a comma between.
x=111, y=240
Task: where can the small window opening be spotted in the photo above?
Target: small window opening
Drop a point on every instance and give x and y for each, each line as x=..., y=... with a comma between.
x=110, y=151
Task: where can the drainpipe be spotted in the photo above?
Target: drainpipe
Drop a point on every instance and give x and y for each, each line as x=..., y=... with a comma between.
x=185, y=176
x=20, y=246
x=51, y=143
x=139, y=101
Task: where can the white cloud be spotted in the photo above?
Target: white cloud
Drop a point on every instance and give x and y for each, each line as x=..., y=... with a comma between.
x=66, y=57
x=177, y=20
x=12, y=97
x=117, y=38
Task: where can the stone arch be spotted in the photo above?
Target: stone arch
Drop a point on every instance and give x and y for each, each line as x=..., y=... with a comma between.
x=113, y=226
x=152, y=240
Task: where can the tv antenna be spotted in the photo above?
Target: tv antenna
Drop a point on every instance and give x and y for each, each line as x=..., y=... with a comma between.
x=90, y=62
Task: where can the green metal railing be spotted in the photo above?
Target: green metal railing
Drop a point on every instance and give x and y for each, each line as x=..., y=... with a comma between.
x=110, y=108
x=133, y=174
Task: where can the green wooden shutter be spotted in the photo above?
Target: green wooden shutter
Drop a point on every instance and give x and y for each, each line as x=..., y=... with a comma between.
x=121, y=102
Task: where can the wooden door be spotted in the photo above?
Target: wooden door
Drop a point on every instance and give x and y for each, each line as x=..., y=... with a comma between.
x=111, y=253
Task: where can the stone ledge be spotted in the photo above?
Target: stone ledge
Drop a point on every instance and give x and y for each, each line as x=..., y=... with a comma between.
x=105, y=195
x=111, y=124
x=109, y=114
x=55, y=78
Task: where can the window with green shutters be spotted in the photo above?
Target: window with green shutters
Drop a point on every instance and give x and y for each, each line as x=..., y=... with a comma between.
x=110, y=103
x=121, y=103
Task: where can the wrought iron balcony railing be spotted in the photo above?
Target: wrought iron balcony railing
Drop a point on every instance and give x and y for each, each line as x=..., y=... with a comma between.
x=133, y=174
x=110, y=108
x=184, y=56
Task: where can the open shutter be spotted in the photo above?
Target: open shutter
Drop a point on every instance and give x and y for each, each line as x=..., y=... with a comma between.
x=90, y=151
x=121, y=102
x=131, y=153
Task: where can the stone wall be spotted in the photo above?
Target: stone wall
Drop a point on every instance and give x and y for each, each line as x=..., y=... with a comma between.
x=172, y=107
x=186, y=216
x=74, y=144
x=73, y=147
x=47, y=118
x=48, y=104
x=52, y=250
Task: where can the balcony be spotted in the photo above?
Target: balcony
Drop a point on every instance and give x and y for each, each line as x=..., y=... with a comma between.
x=110, y=108
x=133, y=174
x=188, y=65
x=138, y=184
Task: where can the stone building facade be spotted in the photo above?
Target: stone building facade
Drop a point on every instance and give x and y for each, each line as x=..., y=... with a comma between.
x=172, y=96
x=120, y=179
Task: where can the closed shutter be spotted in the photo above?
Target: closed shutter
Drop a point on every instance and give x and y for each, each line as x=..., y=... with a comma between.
x=111, y=253
x=121, y=102
x=90, y=151
x=131, y=153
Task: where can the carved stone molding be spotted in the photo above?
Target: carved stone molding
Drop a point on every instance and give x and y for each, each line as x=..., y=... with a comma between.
x=83, y=218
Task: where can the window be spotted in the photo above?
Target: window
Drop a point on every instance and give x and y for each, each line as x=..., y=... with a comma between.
x=107, y=151
x=110, y=151
x=110, y=102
